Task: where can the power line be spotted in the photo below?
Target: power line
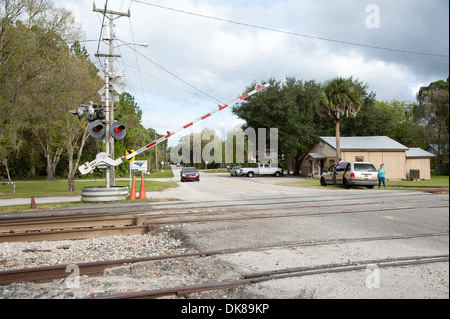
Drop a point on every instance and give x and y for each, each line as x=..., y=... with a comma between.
x=172, y=74
x=292, y=33
x=101, y=29
x=139, y=71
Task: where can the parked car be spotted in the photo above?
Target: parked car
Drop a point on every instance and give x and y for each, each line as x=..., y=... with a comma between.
x=262, y=169
x=235, y=171
x=351, y=174
x=189, y=174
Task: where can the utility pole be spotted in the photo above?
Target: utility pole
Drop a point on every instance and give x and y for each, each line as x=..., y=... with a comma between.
x=109, y=85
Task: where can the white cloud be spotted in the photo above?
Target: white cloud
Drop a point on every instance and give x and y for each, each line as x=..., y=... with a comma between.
x=221, y=59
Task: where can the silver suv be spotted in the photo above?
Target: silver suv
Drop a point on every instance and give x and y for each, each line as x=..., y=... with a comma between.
x=351, y=174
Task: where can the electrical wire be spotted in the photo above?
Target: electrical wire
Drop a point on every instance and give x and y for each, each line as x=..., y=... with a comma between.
x=292, y=33
x=173, y=75
x=139, y=71
x=101, y=29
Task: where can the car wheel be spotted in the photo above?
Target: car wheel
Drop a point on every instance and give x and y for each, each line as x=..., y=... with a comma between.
x=322, y=182
x=277, y=174
x=250, y=174
x=346, y=185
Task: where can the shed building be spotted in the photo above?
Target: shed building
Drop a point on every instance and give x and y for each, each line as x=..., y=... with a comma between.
x=373, y=149
x=418, y=164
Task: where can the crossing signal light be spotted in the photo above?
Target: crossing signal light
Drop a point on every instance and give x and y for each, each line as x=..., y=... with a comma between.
x=118, y=130
x=97, y=130
x=93, y=112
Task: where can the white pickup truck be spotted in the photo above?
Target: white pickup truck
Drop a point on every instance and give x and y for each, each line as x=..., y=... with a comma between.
x=262, y=169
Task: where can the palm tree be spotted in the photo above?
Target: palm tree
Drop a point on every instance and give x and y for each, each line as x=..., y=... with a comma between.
x=339, y=98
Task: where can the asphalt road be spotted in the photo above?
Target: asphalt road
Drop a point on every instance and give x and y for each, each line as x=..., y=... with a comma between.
x=335, y=238
x=381, y=213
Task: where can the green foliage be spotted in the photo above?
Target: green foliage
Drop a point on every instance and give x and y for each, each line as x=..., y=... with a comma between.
x=41, y=79
x=431, y=119
x=288, y=106
x=129, y=113
x=340, y=98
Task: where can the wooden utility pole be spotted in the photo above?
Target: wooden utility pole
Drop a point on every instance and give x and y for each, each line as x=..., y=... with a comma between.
x=110, y=78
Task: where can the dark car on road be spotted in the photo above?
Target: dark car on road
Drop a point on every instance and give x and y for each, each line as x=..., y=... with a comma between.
x=190, y=174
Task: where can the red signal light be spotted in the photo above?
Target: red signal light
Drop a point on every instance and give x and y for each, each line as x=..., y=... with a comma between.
x=118, y=130
x=97, y=129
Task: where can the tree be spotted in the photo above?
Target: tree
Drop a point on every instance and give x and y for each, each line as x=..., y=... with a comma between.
x=79, y=88
x=40, y=80
x=339, y=98
x=288, y=106
x=431, y=117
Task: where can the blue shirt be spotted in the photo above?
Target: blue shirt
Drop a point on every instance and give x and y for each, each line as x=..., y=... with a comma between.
x=381, y=172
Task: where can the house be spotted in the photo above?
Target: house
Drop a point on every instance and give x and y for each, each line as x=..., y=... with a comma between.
x=418, y=159
x=373, y=149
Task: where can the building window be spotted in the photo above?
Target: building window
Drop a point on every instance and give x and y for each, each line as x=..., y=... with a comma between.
x=359, y=159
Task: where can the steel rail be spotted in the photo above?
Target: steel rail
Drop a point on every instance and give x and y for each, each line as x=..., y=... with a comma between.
x=89, y=228
x=102, y=220
x=62, y=217
x=140, y=208
x=187, y=290
x=251, y=201
x=198, y=211
x=74, y=234
x=48, y=273
x=179, y=219
x=253, y=206
x=69, y=224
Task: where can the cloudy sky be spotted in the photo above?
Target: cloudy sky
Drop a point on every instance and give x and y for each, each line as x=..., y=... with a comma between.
x=193, y=61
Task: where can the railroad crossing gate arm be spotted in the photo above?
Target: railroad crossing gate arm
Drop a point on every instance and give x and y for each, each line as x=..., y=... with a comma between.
x=102, y=159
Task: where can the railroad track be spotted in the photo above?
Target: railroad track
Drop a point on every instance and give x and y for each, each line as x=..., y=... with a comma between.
x=134, y=223
x=48, y=273
x=70, y=227
x=244, y=214
x=185, y=291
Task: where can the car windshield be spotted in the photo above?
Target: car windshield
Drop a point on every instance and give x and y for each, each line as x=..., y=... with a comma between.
x=363, y=167
x=189, y=170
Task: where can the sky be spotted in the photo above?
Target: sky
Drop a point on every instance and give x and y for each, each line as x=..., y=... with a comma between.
x=193, y=63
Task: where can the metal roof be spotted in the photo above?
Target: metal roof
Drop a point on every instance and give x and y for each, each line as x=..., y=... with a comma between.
x=317, y=155
x=418, y=152
x=366, y=143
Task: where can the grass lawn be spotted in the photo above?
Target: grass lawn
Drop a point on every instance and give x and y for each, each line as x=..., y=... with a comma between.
x=45, y=206
x=59, y=188
x=407, y=185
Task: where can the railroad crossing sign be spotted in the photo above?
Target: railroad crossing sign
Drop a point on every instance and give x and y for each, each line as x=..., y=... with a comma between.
x=128, y=152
